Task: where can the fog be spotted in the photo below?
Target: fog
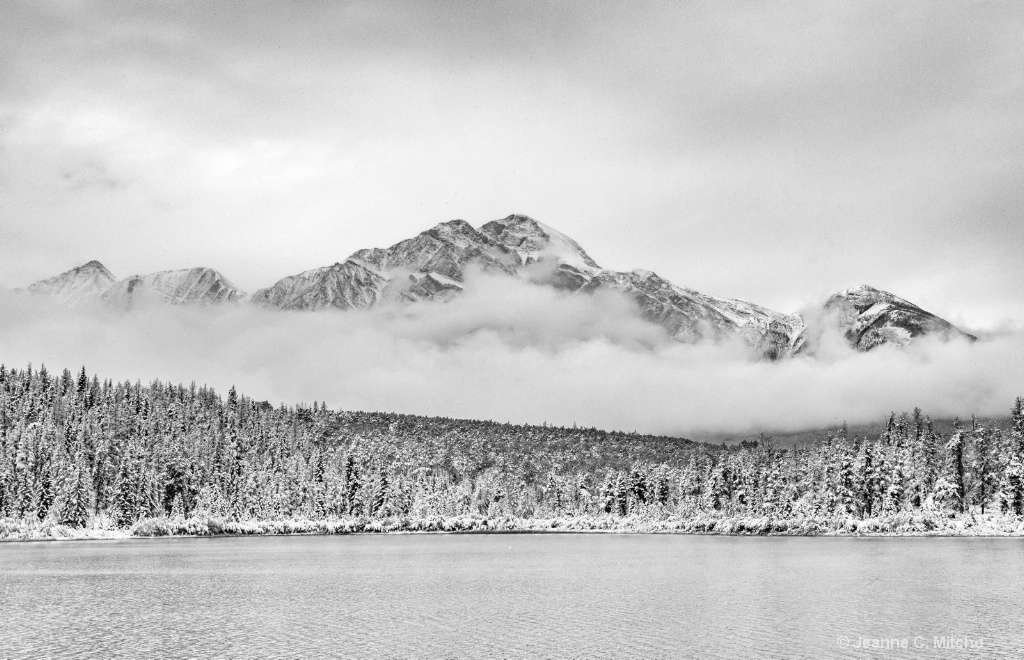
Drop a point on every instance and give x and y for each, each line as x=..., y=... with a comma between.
x=512, y=351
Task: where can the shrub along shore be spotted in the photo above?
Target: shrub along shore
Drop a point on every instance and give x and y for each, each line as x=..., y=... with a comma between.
x=901, y=524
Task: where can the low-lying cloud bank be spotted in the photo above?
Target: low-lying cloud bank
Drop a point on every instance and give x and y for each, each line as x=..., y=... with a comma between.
x=511, y=351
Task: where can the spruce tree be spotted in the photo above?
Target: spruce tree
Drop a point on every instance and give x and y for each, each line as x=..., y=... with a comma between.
x=984, y=464
x=352, y=484
x=957, y=465
x=662, y=489
x=45, y=494
x=638, y=485
x=73, y=509
x=83, y=381
x=607, y=492
x=621, y=495
x=1014, y=461
x=869, y=481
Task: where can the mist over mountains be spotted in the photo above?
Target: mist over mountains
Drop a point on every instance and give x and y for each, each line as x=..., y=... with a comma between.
x=434, y=266
x=516, y=323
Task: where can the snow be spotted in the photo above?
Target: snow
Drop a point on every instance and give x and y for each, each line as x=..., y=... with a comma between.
x=88, y=281
x=445, y=251
x=534, y=241
x=190, y=285
x=442, y=279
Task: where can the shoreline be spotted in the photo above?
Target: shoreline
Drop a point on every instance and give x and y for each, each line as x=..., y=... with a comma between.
x=900, y=525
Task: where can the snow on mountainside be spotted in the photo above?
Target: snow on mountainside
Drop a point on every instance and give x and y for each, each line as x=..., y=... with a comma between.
x=533, y=241
x=85, y=282
x=686, y=314
x=187, y=286
x=691, y=316
x=432, y=266
x=343, y=285
x=870, y=317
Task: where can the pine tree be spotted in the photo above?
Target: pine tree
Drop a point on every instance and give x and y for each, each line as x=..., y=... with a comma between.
x=662, y=490
x=352, y=484
x=984, y=464
x=638, y=485
x=73, y=509
x=1014, y=473
x=719, y=492
x=957, y=466
x=45, y=494
x=621, y=495
x=382, y=485
x=132, y=500
x=869, y=481
x=553, y=492
x=607, y=492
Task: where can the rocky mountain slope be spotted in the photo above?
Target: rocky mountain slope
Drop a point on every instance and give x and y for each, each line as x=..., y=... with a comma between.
x=870, y=318
x=187, y=286
x=434, y=265
x=431, y=265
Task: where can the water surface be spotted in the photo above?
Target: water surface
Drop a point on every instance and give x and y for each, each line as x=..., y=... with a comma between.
x=513, y=596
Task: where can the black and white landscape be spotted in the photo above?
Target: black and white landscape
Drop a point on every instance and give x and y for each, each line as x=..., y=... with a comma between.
x=285, y=378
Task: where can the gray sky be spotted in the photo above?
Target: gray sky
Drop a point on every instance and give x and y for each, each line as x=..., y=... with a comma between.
x=773, y=152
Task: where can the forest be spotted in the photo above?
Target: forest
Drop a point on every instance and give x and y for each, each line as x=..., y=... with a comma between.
x=80, y=453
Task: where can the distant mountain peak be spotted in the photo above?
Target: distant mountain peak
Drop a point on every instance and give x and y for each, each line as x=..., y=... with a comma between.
x=85, y=282
x=870, y=317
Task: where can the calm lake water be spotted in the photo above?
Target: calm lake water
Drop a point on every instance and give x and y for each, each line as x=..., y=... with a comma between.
x=513, y=596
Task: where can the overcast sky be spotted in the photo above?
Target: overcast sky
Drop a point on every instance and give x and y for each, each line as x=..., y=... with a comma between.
x=775, y=152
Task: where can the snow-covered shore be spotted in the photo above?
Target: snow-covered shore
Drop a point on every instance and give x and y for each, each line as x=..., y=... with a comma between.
x=895, y=525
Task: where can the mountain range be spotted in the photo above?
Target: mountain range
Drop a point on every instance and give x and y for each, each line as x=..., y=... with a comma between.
x=433, y=266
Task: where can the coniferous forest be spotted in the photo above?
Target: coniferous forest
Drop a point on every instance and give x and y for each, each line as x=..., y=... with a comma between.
x=80, y=454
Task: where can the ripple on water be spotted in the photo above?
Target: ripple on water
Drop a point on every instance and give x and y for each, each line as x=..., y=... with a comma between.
x=510, y=596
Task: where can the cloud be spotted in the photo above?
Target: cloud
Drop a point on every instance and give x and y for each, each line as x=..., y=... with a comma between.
x=512, y=351
x=751, y=152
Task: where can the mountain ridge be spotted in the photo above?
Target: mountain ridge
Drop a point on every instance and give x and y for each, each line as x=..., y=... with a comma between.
x=199, y=285
x=433, y=265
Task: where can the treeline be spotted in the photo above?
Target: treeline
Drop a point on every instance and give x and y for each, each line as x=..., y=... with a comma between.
x=76, y=450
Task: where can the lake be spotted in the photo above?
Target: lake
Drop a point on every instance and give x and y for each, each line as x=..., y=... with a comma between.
x=514, y=596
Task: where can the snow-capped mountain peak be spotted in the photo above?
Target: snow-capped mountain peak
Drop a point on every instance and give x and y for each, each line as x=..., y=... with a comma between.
x=352, y=283
x=534, y=241
x=870, y=317
x=84, y=282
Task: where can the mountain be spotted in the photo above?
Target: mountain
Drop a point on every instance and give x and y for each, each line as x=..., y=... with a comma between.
x=870, y=317
x=434, y=264
x=431, y=265
x=343, y=285
x=686, y=314
x=187, y=286
x=534, y=242
x=85, y=282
